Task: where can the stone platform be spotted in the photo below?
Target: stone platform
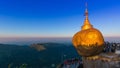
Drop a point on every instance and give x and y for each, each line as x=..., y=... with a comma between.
x=104, y=60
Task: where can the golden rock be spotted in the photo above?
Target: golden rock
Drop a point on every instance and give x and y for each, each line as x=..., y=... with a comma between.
x=89, y=41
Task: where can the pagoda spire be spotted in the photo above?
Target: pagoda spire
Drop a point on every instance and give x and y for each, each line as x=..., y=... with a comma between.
x=86, y=24
x=86, y=10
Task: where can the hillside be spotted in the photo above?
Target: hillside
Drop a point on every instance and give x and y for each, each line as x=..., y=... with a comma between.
x=40, y=55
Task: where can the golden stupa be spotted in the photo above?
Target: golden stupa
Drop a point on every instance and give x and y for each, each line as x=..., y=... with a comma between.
x=89, y=41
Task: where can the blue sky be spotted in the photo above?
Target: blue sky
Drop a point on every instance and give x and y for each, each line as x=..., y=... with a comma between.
x=57, y=18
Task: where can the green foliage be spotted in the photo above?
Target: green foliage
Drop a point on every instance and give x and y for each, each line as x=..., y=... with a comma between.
x=16, y=56
x=23, y=66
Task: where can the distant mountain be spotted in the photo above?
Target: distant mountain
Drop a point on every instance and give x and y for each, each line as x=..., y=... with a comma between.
x=39, y=55
x=38, y=47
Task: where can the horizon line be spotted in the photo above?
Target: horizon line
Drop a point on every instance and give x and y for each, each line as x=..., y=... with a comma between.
x=51, y=37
